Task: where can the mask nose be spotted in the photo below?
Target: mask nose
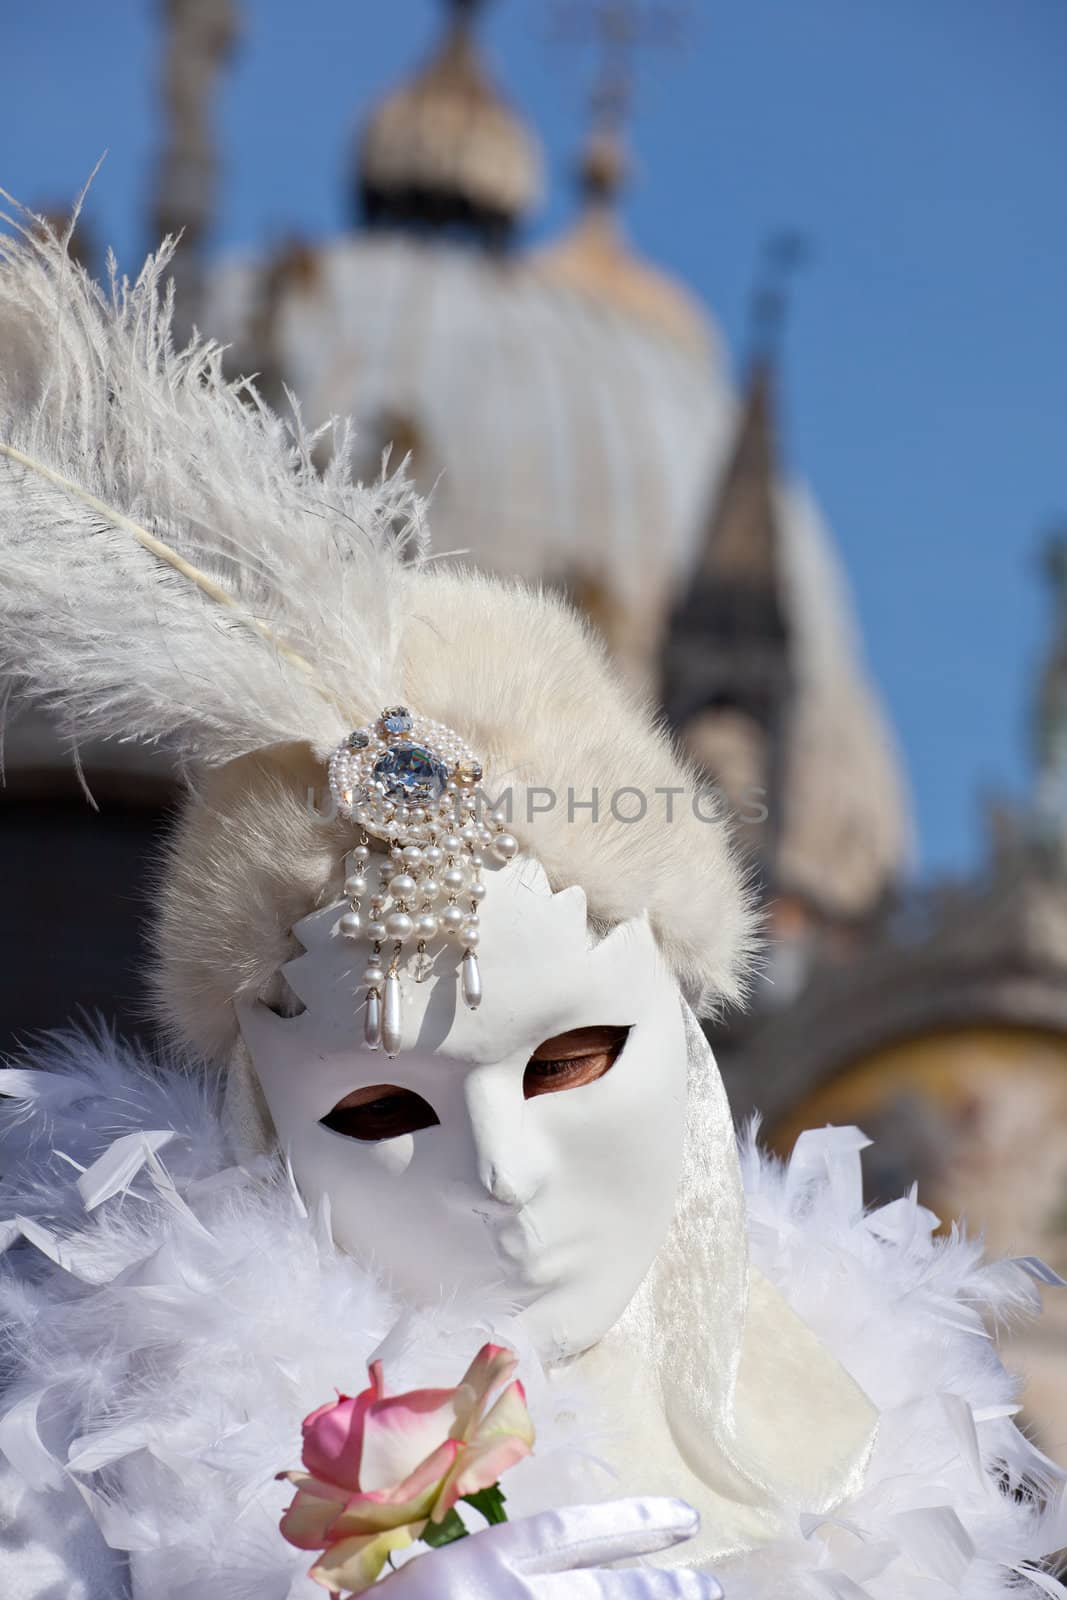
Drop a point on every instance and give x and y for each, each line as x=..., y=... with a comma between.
x=510, y=1160
x=503, y=1186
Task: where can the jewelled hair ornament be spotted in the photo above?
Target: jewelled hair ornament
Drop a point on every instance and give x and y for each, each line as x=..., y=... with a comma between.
x=413, y=783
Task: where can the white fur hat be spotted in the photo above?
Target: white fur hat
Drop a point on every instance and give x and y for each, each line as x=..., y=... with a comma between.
x=175, y=568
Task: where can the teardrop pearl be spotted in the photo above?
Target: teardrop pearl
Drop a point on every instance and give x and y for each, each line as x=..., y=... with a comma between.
x=372, y=1026
x=391, y=1015
x=471, y=981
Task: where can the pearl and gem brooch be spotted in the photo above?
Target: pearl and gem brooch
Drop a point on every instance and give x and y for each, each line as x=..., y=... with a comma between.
x=413, y=783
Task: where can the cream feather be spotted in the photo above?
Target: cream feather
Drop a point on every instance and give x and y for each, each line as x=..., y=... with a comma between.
x=174, y=565
x=154, y=546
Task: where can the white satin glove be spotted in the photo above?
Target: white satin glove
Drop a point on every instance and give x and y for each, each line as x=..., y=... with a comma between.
x=561, y=1555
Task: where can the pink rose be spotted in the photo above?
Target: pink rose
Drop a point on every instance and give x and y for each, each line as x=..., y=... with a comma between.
x=379, y=1467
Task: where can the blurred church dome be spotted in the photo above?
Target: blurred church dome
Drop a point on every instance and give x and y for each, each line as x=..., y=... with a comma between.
x=561, y=437
x=564, y=406
x=595, y=259
x=569, y=410
x=445, y=148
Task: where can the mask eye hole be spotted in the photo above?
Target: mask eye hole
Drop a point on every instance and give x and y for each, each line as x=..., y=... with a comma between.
x=381, y=1111
x=280, y=997
x=572, y=1059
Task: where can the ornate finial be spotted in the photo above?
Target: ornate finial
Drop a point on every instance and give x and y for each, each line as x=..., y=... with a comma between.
x=1050, y=711
x=593, y=255
x=783, y=252
x=603, y=167
x=617, y=29
x=463, y=15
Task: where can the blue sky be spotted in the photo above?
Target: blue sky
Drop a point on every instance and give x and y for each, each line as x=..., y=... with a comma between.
x=920, y=144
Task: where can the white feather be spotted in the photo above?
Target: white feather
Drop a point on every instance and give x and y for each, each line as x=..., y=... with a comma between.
x=114, y=1171
x=174, y=566
x=177, y=1379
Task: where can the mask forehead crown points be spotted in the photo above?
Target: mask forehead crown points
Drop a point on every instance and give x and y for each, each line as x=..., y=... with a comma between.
x=549, y=970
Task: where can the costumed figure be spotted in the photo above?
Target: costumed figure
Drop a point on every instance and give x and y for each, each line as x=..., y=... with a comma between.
x=434, y=932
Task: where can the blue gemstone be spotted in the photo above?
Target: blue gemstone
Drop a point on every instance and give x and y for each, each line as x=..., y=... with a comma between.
x=411, y=772
x=396, y=719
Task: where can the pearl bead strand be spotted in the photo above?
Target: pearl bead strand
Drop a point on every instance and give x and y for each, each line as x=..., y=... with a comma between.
x=411, y=782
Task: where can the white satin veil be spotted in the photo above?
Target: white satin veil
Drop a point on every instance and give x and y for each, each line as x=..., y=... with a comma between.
x=731, y=1401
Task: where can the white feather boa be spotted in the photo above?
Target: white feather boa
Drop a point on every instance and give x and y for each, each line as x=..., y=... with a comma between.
x=169, y=1317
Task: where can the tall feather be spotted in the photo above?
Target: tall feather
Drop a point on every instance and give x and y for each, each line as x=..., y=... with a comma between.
x=174, y=564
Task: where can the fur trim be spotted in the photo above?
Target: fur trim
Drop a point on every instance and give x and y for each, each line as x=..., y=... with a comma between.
x=155, y=1366
x=522, y=679
x=329, y=622
x=525, y=680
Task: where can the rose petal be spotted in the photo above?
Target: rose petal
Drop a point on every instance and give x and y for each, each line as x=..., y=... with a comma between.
x=354, y=1564
x=479, y=1467
x=503, y=1439
x=483, y=1465
x=307, y=1521
x=305, y=1480
x=333, y=1435
x=399, y=1433
x=509, y=1416
x=492, y=1366
x=411, y=1501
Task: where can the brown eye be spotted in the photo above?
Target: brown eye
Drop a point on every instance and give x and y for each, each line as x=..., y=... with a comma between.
x=381, y=1111
x=572, y=1059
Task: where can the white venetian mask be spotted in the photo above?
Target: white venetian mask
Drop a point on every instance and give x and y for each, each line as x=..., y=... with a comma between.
x=501, y=1148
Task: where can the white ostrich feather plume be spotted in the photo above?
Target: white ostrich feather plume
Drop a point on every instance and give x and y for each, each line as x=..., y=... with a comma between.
x=174, y=564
